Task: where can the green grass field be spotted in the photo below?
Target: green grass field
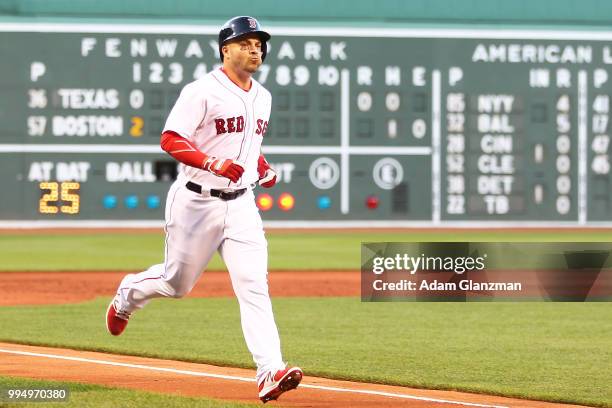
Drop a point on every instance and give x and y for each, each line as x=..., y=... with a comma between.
x=288, y=250
x=552, y=351
x=95, y=396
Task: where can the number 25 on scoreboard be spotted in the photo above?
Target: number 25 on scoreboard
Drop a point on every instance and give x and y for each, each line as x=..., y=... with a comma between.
x=62, y=197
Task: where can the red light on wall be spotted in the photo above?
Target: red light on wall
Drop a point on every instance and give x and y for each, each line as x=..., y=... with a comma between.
x=286, y=201
x=265, y=202
x=372, y=202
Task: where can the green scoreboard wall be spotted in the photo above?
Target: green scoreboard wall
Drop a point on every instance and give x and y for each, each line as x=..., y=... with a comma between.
x=396, y=126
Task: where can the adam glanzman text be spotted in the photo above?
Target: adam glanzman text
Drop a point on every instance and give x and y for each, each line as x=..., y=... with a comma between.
x=413, y=264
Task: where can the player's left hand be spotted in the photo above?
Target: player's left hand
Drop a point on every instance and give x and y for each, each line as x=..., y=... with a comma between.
x=267, y=176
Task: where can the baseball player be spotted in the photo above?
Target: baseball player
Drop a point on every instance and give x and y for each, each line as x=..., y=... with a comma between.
x=215, y=130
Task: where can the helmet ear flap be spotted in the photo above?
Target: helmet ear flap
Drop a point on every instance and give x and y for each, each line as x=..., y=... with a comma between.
x=224, y=34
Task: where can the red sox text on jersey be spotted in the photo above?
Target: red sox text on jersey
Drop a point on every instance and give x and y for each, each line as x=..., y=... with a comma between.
x=234, y=125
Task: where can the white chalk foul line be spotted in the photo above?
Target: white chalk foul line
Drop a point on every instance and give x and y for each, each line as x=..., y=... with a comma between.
x=144, y=367
x=405, y=396
x=244, y=379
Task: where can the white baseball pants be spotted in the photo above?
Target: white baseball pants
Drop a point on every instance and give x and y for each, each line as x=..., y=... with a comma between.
x=196, y=227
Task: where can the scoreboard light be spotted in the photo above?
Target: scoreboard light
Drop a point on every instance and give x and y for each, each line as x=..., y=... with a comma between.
x=153, y=202
x=324, y=202
x=137, y=126
x=265, y=201
x=286, y=202
x=84, y=106
x=59, y=197
x=70, y=197
x=131, y=201
x=109, y=202
x=372, y=202
x=51, y=196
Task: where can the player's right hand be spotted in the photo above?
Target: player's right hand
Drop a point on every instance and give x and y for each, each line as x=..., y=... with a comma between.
x=224, y=168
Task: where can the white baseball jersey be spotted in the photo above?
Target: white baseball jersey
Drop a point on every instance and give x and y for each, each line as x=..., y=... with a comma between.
x=222, y=120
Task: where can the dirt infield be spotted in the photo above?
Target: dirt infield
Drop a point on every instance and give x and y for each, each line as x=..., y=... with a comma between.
x=190, y=379
x=38, y=288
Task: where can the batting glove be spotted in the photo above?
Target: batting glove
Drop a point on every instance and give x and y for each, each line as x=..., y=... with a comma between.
x=267, y=176
x=224, y=168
